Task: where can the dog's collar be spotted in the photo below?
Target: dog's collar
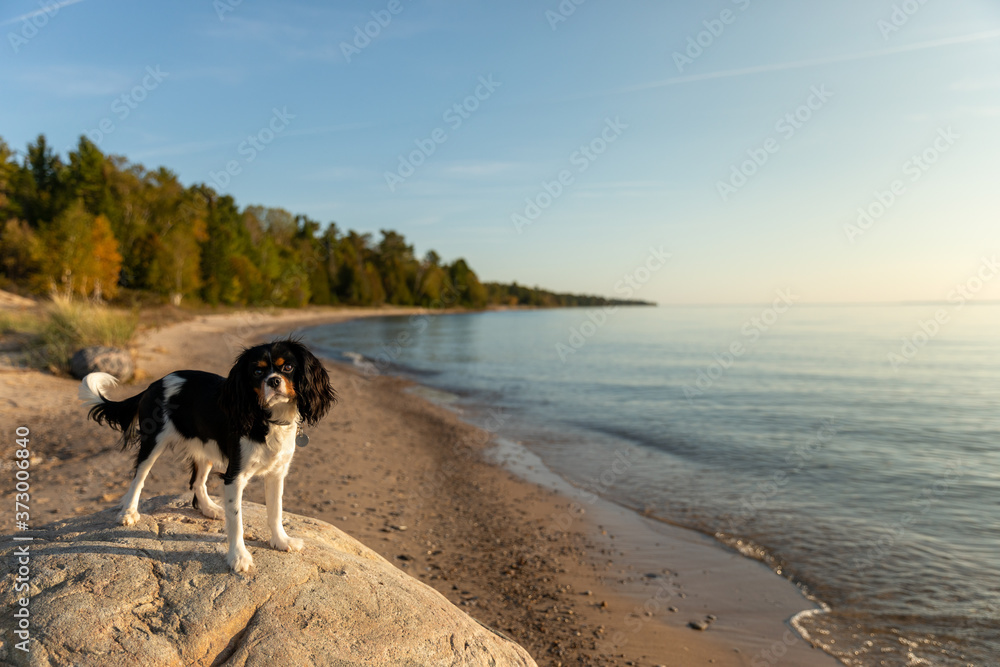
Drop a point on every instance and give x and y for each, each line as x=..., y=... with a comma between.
x=301, y=437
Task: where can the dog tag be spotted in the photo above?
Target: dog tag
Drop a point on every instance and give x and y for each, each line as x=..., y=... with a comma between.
x=301, y=440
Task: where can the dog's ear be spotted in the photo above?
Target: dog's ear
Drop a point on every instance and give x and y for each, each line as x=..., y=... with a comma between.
x=315, y=395
x=237, y=399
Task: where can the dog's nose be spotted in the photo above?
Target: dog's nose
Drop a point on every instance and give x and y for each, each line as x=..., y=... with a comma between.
x=274, y=382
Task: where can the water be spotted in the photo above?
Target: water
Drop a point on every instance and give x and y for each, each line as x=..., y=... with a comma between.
x=873, y=482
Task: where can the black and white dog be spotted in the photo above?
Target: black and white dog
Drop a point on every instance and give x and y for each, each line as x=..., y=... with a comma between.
x=246, y=423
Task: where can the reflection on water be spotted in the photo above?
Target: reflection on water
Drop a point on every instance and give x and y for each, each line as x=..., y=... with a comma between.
x=839, y=444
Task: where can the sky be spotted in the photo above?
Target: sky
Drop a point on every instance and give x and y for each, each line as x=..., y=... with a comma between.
x=701, y=152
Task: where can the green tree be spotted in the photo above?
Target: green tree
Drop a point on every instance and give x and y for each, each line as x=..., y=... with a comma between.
x=81, y=254
x=226, y=244
x=20, y=251
x=397, y=267
x=314, y=255
x=358, y=281
x=8, y=169
x=87, y=177
x=176, y=230
x=473, y=294
x=39, y=184
x=130, y=219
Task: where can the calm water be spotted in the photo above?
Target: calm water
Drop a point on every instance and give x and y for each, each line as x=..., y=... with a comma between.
x=875, y=487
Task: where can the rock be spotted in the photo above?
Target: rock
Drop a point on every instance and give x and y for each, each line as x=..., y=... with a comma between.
x=698, y=625
x=160, y=593
x=111, y=360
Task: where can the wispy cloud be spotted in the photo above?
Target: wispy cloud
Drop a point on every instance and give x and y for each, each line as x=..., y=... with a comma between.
x=47, y=9
x=73, y=80
x=186, y=148
x=192, y=147
x=328, y=129
x=815, y=62
x=480, y=168
x=622, y=189
x=975, y=85
x=979, y=111
x=305, y=33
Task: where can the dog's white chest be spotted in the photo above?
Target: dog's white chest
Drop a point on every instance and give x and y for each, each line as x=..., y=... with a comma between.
x=274, y=454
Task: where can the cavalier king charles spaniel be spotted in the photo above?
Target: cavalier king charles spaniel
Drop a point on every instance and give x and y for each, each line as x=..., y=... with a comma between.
x=246, y=423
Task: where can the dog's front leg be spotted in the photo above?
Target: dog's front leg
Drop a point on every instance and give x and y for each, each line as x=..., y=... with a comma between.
x=238, y=558
x=274, y=487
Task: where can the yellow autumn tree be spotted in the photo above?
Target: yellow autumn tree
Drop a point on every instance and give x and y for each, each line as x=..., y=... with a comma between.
x=80, y=255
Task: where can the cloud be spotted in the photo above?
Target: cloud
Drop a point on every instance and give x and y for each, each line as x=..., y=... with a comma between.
x=192, y=147
x=329, y=129
x=622, y=189
x=979, y=111
x=802, y=64
x=47, y=9
x=186, y=148
x=314, y=33
x=480, y=168
x=975, y=85
x=339, y=173
x=75, y=80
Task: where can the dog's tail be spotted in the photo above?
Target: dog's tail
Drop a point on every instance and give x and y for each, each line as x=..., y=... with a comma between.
x=119, y=415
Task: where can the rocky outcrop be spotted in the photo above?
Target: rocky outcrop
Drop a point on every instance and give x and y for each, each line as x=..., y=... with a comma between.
x=160, y=593
x=101, y=359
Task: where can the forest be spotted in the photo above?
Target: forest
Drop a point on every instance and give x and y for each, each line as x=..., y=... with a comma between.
x=99, y=227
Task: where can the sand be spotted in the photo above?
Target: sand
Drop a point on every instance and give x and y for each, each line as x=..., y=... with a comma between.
x=572, y=578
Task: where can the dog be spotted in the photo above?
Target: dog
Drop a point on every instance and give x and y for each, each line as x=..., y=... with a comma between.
x=246, y=423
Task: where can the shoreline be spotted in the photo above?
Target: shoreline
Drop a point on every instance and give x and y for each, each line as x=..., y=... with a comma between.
x=705, y=575
x=425, y=472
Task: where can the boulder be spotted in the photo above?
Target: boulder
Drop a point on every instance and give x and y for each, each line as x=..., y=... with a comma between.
x=160, y=593
x=111, y=360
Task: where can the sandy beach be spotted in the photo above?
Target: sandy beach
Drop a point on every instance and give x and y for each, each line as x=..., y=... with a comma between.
x=576, y=582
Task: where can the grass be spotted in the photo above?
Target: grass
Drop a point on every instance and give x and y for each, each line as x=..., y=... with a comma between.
x=52, y=333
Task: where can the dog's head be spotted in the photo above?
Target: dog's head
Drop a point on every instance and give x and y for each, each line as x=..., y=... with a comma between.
x=271, y=376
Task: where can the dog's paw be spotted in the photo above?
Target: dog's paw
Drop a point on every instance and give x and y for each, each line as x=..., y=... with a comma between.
x=212, y=511
x=287, y=544
x=240, y=560
x=128, y=517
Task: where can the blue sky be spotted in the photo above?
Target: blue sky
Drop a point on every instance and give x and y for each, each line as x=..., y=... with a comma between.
x=873, y=83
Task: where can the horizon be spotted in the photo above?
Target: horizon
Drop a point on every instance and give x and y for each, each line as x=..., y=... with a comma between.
x=844, y=153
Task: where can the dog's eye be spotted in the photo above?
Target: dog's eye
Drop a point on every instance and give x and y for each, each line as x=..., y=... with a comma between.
x=257, y=372
x=287, y=368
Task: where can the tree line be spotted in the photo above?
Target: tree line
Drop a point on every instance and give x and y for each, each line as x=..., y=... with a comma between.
x=97, y=226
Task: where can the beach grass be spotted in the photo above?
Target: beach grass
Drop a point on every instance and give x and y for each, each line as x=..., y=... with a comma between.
x=50, y=334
